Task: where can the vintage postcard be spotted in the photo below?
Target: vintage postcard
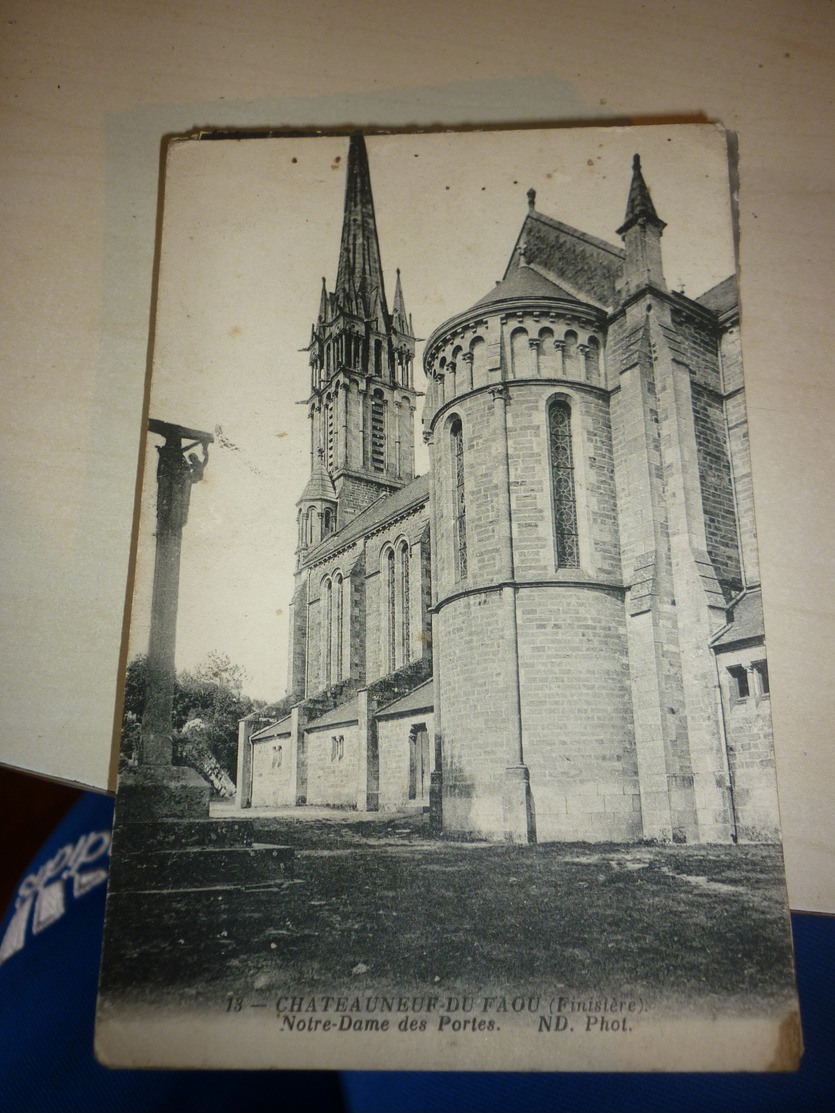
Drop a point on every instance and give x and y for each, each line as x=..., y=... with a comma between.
x=446, y=739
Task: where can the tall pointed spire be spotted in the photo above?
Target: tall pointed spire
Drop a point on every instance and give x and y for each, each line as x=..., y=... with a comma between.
x=641, y=233
x=639, y=203
x=361, y=404
x=399, y=317
x=359, y=276
x=323, y=303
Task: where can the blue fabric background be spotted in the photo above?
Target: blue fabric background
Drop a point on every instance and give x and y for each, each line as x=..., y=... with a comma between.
x=47, y=1007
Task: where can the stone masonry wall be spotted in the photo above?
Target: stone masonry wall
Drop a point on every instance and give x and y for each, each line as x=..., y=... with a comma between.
x=272, y=784
x=393, y=750
x=412, y=529
x=717, y=489
x=737, y=421
x=332, y=774
x=577, y=714
x=475, y=669
x=750, y=749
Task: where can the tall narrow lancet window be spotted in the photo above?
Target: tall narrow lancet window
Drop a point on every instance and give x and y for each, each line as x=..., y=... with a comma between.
x=547, y=354
x=391, y=612
x=403, y=592
x=478, y=367
x=336, y=631
x=566, y=541
x=570, y=356
x=378, y=432
x=330, y=434
x=593, y=361
x=520, y=354
x=327, y=620
x=459, y=505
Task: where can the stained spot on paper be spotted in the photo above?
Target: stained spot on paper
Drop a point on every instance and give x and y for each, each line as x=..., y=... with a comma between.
x=222, y=441
x=789, y=1044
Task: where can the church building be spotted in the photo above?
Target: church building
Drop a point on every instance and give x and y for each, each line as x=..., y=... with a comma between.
x=556, y=634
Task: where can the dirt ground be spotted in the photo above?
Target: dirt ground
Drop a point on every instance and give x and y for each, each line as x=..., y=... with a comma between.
x=377, y=902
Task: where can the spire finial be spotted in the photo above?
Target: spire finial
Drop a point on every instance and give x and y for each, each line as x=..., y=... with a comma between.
x=531, y=199
x=639, y=203
x=359, y=275
x=399, y=316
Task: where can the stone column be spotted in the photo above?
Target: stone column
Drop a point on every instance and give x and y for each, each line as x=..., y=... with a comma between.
x=559, y=348
x=176, y=473
x=436, y=777
x=533, y=344
x=157, y=788
x=467, y=360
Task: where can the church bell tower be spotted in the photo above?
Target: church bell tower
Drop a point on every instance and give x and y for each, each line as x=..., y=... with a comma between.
x=362, y=400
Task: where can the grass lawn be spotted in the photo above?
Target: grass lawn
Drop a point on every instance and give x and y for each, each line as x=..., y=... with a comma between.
x=379, y=905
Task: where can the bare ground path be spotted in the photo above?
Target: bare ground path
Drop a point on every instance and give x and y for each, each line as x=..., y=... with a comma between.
x=376, y=902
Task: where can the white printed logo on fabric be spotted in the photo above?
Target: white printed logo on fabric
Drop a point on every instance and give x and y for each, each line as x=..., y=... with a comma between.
x=47, y=889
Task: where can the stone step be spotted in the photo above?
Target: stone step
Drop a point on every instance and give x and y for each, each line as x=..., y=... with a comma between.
x=201, y=867
x=147, y=793
x=179, y=834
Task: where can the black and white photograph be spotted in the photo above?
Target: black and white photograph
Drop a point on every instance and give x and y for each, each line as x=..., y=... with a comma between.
x=446, y=737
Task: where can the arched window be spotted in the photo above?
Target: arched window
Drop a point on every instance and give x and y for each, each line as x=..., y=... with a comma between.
x=327, y=620
x=547, y=354
x=593, y=361
x=330, y=435
x=566, y=542
x=336, y=631
x=520, y=354
x=391, y=619
x=569, y=356
x=459, y=509
x=403, y=593
x=478, y=373
x=327, y=521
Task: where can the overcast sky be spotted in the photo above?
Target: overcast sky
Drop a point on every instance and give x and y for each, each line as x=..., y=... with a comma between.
x=249, y=229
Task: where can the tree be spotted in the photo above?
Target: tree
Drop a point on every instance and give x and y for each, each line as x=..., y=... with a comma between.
x=211, y=693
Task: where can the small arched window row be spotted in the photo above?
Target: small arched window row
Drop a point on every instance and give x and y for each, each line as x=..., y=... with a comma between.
x=551, y=353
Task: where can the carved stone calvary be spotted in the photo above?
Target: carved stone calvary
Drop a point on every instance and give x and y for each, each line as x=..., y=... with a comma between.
x=156, y=788
x=178, y=469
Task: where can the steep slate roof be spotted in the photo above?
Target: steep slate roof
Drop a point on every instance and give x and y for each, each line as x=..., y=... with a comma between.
x=272, y=731
x=345, y=713
x=745, y=621
x=524, y=282
x=320, y=485
x=375, y=515
x=590, y=267
x=722, y=297
x=419, y=699
x=359, y=276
